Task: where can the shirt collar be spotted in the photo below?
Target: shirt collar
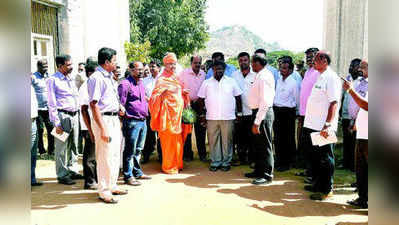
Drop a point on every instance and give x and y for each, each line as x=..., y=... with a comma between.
x=104, y=72
x=62, y=76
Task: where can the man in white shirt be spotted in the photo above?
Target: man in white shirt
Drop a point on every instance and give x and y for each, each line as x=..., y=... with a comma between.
x=260, y=100
x=151, y=140
x=222, y=97
x=362, y=140
x=242, y=137
x=322, y=116
x=286, y=103
x=89, y=154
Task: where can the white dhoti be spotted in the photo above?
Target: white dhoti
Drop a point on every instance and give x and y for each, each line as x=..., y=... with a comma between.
x=108, y=155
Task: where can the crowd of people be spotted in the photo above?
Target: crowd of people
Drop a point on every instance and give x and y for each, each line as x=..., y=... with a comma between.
x=255, y=115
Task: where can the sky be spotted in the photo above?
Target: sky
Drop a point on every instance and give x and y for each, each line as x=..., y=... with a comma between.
x=295, y=24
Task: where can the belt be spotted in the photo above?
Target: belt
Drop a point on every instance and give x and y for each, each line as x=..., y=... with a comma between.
x=132, y=118
x=68, y=112
x=109, y=113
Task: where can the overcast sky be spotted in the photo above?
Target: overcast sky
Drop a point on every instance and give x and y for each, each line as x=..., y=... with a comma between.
x=295, y=24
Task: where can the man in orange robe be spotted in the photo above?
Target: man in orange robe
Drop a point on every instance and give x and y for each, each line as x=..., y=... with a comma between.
x=166, y=106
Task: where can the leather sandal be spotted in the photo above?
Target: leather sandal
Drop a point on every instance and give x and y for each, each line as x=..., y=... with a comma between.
x=108, y=201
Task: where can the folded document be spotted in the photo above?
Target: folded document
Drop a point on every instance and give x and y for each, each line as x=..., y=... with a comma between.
x=62, y=137
x=319, y=140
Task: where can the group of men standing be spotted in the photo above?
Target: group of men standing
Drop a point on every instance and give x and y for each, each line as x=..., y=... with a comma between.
x=247, y=109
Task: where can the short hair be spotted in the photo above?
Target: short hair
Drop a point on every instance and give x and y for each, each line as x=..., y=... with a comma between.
x=40, y=62
x=90, y=66
x=356, y=61
x=81, y=63
x=217, y=54
x=156, y=62
x=131, y=64
x=324, y=55
x=311, y=50
x=242, y=54
x=219, y=63
x=105, y=54
x=260, y=50
x=192, y=58
x=260, y=59
x=61, y=59
x=286, y=58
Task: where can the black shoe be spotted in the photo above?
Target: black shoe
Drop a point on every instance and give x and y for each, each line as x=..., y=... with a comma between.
x=225, y=168
x=213, y=168
x=359, y=203
x=66, y=180
x=252, y=175
x=37, y=183
x=261, y=180
x=76, y=176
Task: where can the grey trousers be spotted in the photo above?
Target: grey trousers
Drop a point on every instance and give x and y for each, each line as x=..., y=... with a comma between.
x=220, y=136
x=66, y=155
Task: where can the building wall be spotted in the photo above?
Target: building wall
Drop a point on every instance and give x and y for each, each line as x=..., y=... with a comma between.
x=85, y=26
x=345, y=31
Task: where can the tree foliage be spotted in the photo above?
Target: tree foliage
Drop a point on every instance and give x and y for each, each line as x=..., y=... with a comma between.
x=170, y=26
x=138, y=51
x=273, y=56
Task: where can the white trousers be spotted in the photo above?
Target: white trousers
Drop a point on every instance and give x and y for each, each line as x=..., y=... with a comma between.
x=107, y=155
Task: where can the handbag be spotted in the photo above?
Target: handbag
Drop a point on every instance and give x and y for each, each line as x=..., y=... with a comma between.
x=189, y=116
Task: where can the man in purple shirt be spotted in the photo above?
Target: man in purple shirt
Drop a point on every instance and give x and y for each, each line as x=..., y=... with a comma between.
x=132, y=97
x=63, y=106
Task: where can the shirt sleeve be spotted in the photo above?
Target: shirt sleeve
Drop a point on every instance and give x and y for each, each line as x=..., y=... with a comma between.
x=83, y=95
x=266, y=97
x=122, y=92
x=236, y=89
x=202, y=91
x=334, y=89
x=94, y=89
x=52, y=102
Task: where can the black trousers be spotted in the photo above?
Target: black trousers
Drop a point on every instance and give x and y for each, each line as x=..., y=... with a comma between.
x=307, y=149
x=362, y=155
x=322, y=163
x=200, y=134
x=151, y=142
x=284, y=135
x=242, y=136
x=42, y=121
x=349, y=141
x=89, y=159
x=263, y=146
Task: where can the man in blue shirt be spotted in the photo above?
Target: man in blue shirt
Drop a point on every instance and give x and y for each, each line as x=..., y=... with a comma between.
x=218, y=56
x=38, y=81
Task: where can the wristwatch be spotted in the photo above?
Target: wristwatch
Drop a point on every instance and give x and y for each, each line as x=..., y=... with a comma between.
x=239, y=114
x=327, y=124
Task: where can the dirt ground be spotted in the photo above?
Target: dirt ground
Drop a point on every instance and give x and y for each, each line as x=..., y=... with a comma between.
x=195, y=196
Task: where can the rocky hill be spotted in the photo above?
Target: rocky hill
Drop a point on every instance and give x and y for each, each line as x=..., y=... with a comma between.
x=235, y=39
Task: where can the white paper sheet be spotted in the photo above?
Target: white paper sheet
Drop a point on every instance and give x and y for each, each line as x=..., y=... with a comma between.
x=62, y=137
x=319, y=140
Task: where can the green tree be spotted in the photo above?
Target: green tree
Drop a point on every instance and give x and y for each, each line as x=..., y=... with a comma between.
x=273, y=56
x=170, y=26
x=138, y=51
